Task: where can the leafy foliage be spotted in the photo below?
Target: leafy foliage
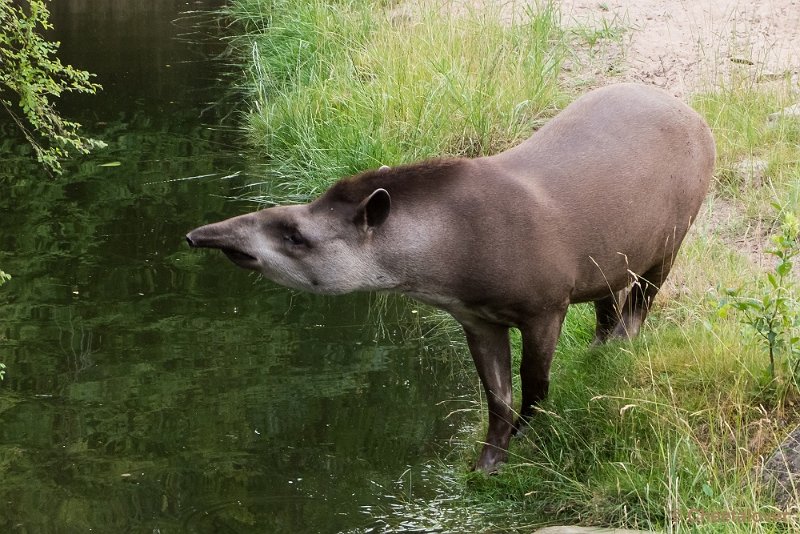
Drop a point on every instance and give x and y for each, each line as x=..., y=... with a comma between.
x=774, y=315
x=31, y=71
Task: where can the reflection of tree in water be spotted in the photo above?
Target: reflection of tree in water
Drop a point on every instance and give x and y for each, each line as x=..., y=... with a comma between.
x=78, y=344
x=210, y=388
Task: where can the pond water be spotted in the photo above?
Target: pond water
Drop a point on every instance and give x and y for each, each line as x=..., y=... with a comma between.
x=151, y=388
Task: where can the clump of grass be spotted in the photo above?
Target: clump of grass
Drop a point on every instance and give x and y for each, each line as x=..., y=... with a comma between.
x=605, y=30
x=738, y=114
x=666, y=433
x=642, y=424
x=339, y=87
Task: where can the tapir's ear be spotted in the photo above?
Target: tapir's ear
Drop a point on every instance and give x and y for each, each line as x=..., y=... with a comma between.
x=373, y=210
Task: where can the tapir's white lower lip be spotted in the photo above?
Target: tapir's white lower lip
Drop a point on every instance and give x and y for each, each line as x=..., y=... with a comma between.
x=238, y=257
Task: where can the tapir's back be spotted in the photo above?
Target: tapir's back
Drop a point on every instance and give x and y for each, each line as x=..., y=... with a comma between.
x=621, y=173
x=616, y=137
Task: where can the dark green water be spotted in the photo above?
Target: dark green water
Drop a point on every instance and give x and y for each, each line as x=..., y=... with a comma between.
x=151, y=388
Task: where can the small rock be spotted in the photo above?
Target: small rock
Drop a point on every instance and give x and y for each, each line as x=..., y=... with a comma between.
x=769, y=76
x=792, y=112
x=781, y=472
x=751, y=171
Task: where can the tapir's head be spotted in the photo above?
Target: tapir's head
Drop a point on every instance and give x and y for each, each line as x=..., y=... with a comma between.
x=326, y=246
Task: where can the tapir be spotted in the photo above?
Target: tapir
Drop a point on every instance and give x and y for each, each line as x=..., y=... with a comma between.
x=591, y=208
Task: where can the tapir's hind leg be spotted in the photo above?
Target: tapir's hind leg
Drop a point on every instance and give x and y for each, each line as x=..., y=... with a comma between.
x=539, y=338
x=607, y=312
x=640, y=298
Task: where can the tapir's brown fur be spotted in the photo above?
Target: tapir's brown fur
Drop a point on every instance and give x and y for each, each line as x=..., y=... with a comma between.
x=596, y=201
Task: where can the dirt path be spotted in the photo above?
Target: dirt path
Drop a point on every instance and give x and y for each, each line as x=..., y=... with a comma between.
x=685, y=45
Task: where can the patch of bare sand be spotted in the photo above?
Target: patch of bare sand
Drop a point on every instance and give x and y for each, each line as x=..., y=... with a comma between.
x=685, y=46
x=682, y=46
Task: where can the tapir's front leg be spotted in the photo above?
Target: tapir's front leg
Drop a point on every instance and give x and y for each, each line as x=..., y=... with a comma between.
x=491, y=352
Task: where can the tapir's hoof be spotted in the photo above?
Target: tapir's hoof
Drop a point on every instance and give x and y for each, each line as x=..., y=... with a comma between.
x=486, y=470
x=598, y=342
x=490, y=460
x=521, y=425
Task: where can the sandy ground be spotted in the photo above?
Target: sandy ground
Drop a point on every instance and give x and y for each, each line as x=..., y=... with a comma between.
x=687, y=45
x=682, y=46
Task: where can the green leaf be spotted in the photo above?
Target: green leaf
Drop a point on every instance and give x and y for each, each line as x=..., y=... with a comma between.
x=30, y=69
x=111, y=164
x=772, y=280
x=771, y=337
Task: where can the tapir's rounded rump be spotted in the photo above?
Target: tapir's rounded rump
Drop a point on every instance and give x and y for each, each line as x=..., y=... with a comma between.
x=595, y=203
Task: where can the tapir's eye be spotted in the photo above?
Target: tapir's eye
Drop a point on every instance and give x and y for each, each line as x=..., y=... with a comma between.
x=294, y=238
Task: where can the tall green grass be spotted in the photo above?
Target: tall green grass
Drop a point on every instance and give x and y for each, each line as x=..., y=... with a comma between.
x=338, y=87
x=666, y=434
x=641, y=435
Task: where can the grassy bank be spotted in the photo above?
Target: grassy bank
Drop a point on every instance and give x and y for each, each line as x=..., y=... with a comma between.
x=659, y=433
x=339, y=87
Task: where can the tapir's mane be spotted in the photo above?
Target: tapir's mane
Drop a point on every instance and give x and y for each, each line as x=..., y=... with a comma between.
x=414, y=179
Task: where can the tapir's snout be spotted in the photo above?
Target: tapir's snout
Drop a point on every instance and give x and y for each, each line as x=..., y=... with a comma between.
x=225, y=237
x=208, y=236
